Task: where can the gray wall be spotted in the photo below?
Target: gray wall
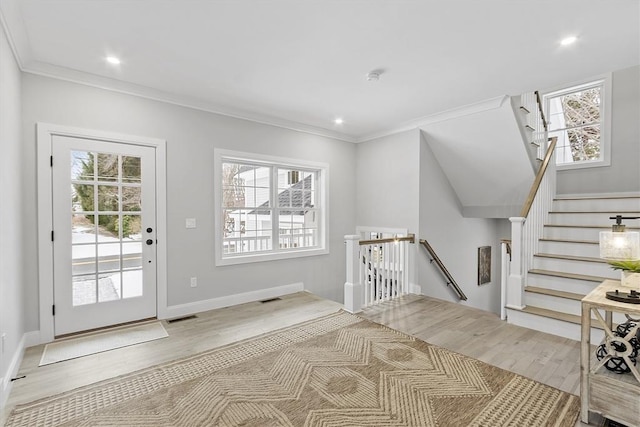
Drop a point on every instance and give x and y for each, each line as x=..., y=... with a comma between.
x=191, y=138
x=455, y=239
x=400, y=184
x=12, y=260
x=624, y=174
x=388, y=178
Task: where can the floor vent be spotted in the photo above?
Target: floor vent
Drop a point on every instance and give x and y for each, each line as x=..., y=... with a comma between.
x=180, y=319
x=271, y=300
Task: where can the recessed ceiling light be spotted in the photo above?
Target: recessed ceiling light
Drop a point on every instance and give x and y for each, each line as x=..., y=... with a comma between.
x=569, y=40
x=112, y=60
x=338, y=121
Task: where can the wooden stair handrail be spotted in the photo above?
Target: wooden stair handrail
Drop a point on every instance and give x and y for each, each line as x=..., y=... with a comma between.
x=536, y=182
x=444, y=270
x=544, y=120
x=411, y=238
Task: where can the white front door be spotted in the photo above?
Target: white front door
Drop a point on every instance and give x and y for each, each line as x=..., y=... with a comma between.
x=104, y=233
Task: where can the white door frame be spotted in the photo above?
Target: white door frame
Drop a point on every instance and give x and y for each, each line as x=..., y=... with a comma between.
x=45, y=132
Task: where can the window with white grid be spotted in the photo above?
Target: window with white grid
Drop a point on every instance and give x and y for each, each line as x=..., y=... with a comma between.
x=579, y=119
x=268, y=208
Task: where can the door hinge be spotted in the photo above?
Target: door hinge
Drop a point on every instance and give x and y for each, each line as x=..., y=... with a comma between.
x=53, y=309
x=52, y=235
x=51, y=160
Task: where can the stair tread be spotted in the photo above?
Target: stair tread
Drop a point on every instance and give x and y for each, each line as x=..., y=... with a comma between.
x=630, y=196
x=522, y=107
x=553, y=292
x=590, y=242
x=607, y=227
x=586, y=277
x=570, y=257
x=614, y=213
x=558, y=315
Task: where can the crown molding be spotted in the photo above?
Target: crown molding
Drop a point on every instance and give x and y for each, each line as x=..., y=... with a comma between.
x=113, y=85
x=465, y=110
x=11, y=23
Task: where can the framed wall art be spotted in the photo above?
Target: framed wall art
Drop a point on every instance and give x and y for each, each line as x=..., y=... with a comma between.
x=484, y=265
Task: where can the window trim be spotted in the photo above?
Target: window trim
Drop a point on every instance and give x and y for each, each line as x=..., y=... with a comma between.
x=605, y=118
x=222, y=155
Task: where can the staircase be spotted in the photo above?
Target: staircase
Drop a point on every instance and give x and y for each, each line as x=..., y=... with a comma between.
x=567, y=265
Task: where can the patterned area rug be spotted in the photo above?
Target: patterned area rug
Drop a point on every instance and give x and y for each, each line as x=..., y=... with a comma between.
x=338, y=370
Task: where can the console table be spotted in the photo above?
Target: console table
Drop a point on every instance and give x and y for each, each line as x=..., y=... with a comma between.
x=615, y=396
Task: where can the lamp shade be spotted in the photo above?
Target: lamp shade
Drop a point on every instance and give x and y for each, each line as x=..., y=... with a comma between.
x=619, y=245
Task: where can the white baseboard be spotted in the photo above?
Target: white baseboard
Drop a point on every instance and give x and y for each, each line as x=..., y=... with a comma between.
x=211, y=304
x=12, y=370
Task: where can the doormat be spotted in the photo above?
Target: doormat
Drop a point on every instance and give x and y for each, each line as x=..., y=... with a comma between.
x=73, y=348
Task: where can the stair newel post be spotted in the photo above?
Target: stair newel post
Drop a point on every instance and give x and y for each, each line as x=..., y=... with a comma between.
x=353, y=287
x=515, y=287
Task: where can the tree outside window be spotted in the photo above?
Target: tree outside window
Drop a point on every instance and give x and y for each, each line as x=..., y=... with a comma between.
x=576, y=119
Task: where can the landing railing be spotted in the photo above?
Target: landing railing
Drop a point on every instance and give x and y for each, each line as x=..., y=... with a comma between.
x=443, y=270
x=377, y=270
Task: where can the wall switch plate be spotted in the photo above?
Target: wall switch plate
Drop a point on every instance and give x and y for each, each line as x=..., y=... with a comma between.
x=194, y=282
x=190, y=223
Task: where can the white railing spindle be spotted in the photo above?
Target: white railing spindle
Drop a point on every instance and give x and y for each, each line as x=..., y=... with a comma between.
x=382, y=270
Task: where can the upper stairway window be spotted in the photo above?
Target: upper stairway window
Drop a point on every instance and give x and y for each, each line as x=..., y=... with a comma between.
x=579, y=117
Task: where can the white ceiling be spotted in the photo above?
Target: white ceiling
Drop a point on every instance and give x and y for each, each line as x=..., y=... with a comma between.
x=302, y=63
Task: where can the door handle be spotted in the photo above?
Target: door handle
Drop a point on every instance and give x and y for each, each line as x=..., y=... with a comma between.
x=149, y=242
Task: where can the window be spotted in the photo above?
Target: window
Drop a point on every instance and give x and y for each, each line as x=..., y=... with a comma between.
x=268, y=208
x=579, y=118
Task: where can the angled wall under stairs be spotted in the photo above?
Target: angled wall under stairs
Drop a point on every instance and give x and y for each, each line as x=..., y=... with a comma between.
x=567, y=265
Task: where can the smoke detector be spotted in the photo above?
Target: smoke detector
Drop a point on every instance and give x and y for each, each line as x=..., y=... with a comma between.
x=374, y=75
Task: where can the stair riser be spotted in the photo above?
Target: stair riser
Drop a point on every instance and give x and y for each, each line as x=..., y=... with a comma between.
x=576, y=267
x=550, y=326
x=550, y=302
x=588, y=218
x=601, y=205
x=572, y=233
x=582, y=287
x=564, y=248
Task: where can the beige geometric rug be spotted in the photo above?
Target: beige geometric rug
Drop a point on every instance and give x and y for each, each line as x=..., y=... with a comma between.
x=73, y=348
x=339, y=370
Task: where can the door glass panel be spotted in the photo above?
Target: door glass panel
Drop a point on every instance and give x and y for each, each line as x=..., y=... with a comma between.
x=108, y=257
x=82, y=229
x=131, y=227
x=82, y=197
x=131, y=283
x=109, y=287
x=106, y=248
x=108, y=198
x=131, y=199
x=82, y=166
x=84, y=290
x=108, y=228
x=83, y=259
x=107, y=167
x=131, y=169
x=131, y=255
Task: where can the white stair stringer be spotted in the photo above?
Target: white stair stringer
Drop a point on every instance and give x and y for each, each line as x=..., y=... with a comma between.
x=567, y=265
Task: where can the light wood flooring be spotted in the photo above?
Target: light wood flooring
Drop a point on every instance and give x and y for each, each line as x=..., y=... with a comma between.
x=546, y=358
